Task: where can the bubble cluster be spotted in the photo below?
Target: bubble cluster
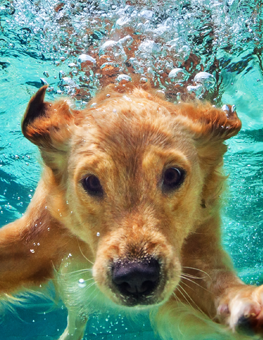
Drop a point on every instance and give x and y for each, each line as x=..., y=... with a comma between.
x=180, y=47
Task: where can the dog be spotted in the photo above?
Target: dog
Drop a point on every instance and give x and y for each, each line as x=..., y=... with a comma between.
x=127, y=215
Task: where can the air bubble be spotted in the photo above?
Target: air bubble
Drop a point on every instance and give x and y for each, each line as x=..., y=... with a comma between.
x=43, y=81
x=123, y=79
x=61, y=74
x=206, y=79
x=85, y=61
x=121, y=22
x=147, y=14
x=178, y=75
x=198, y=90
x=82, y=283
x=143, y=80
x=113, y=51
x=126, y=41
x=148, y=47
x=67, y=81
x=225, y=108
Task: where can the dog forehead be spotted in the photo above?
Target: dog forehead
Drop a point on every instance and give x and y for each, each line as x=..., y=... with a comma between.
x=124, y=129
x=135, y=121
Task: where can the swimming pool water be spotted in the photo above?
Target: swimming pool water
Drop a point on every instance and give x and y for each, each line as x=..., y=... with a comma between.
x=43, y=41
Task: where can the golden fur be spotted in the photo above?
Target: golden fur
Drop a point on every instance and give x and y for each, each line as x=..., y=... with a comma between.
x=84, y=239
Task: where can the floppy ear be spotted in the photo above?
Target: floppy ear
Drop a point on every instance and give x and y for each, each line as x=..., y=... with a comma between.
x=211, y=124
x=48, y=125
x=217, y=125
x=211, y=127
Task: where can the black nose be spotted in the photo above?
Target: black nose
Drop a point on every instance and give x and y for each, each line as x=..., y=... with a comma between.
x=136, y=279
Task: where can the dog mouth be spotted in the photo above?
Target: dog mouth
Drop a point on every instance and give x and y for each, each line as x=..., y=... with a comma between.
x=137, y=283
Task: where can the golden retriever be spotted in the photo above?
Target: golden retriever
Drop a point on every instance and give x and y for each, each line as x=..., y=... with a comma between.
x=127, y=215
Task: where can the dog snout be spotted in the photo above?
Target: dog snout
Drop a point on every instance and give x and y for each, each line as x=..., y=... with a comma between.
x=136, y=280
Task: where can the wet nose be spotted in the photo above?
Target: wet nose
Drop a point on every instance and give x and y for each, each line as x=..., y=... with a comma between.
x=135, y=278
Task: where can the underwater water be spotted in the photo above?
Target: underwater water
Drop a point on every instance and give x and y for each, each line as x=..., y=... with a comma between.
x=212, y=50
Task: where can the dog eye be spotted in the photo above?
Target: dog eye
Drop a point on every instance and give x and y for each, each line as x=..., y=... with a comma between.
x=92, y=185
x=172, y=178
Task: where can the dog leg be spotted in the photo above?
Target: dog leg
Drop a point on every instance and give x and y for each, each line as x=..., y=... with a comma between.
x=212, y=290
x=31, y=247
x=179, y=320
x=197, y=308
x=75, y=327
x=27, y=257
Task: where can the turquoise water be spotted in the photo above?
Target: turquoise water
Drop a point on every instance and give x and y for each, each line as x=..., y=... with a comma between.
x=43, y=41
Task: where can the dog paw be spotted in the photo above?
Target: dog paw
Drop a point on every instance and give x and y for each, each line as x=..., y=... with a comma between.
x=242, y=310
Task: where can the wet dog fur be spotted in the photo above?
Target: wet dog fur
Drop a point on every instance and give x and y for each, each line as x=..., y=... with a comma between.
x=127, y=215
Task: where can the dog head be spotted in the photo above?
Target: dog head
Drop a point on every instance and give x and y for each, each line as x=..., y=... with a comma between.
x=132, y=176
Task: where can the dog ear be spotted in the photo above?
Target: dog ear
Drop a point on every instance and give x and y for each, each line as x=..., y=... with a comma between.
x=212, y=125
x=48, y=125
x=218, y=125
x=210, y=128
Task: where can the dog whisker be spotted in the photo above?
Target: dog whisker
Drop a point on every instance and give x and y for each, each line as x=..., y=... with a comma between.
x=93, y=294
x=84, y=255
x=81, y=271
x=192, y=276
x=198, y=269
x=179, y=288
x=192, y=281
x=176, y=297
x=90, y=285
x=185, y=294
x=184, y=283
